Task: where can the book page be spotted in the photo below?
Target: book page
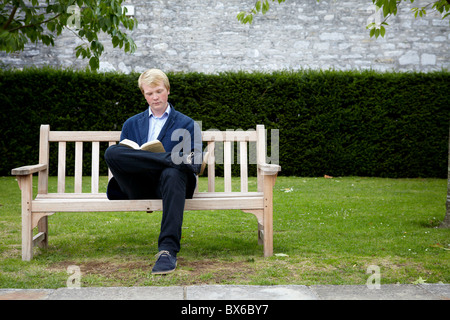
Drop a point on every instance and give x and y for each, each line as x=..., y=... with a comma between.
x=153, y=146
x=129, y=143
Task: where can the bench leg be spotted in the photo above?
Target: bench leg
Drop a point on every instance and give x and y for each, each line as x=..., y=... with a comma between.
x=43, y=228
x=269, y=182
x=26, y=186
x=259, y=214
x=260, y=234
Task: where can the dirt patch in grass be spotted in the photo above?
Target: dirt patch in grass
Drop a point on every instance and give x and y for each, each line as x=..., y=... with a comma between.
x=307, y=271
x=113, y=273
x=111, y=268
x=139, y=272
x=215, y=271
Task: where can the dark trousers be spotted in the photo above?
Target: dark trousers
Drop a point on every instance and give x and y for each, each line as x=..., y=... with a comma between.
x=147, y=175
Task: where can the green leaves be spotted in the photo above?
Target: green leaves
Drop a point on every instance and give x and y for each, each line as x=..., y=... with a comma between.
x=263, y=6
x=443, y=6
x=377, y=30
x=94, y=63
x=25, y=21
x=390, y=8
x=419, y=12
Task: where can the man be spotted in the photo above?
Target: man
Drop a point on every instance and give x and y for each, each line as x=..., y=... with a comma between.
x=169, y=175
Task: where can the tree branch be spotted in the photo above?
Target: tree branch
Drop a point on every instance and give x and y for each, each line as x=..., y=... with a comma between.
x=10, y=19
x=36, y=24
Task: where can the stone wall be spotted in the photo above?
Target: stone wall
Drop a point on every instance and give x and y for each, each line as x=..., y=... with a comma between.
x=205, y=36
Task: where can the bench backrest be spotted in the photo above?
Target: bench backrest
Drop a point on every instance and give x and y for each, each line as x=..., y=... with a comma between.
x=247, y=142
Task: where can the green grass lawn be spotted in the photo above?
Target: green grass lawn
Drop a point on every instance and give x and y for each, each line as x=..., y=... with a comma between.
x=328, y=231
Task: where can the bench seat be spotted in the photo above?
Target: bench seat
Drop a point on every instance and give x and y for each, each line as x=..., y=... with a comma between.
x=100, y=203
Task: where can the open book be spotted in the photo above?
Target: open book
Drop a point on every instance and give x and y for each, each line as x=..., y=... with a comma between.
x=152, y=146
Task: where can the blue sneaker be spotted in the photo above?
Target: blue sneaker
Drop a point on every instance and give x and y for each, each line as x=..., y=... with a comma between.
x=165, y=264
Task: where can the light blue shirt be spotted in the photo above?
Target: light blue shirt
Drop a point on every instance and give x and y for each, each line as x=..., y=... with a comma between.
x=155, y=124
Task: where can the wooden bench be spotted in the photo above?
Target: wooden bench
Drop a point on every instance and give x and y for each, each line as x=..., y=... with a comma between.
x=35, y=211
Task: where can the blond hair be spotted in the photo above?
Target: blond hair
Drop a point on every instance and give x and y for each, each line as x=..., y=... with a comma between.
x=153, y=77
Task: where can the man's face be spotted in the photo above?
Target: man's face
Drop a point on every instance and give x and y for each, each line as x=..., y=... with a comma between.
x=156, y=97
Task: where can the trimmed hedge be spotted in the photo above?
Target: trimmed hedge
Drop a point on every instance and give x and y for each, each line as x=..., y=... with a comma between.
x=331, y=122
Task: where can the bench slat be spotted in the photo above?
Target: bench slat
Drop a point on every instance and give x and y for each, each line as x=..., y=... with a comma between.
x=211, y=167
x=78, y=166
x=86, y=136
x=110, y=175
x=212, y=135
x=61, y=167
x=101, y=196
x=89, y=136
x=244, y=166
x=227, y=165
x=104, y=205
x=95, y=171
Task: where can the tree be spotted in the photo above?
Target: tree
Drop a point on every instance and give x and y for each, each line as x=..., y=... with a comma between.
x=389, y=7
x=446, y=222
x=42, y=21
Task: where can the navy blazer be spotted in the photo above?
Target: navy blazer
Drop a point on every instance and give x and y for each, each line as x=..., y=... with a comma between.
x=177, y=132
x=177, y=129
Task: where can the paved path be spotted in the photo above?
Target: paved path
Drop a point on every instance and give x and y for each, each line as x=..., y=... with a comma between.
x=234, y=292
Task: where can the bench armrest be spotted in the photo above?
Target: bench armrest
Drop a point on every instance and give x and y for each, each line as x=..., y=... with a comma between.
x=26, y=170
x=269, y=169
